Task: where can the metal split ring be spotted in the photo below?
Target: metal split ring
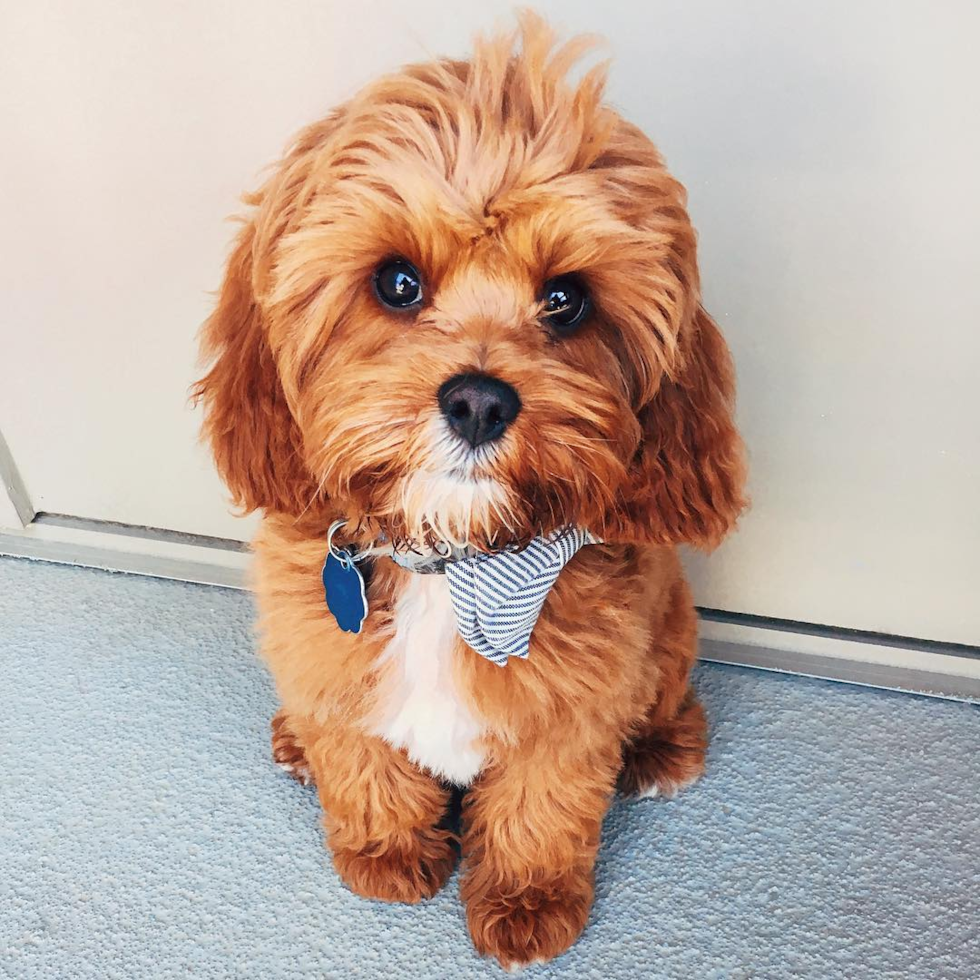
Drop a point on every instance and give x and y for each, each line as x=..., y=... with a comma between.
x=345, y=556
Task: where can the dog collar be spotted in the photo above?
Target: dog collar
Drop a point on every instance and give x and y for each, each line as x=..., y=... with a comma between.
x=431, y=564
x=497, y=597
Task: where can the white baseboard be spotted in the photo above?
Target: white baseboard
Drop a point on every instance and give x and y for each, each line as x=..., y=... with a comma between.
x=918, y=666
x=121, y=548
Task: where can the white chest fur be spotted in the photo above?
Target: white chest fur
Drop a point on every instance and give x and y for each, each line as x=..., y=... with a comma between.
x=420, y=707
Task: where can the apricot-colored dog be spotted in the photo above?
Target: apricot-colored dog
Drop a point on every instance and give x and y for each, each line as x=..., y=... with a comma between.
x=465, y=309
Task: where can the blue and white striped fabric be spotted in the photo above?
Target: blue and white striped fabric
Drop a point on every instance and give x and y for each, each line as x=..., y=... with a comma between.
x=498, y=597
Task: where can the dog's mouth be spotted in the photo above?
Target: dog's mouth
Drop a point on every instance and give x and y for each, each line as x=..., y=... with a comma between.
x=460, y=461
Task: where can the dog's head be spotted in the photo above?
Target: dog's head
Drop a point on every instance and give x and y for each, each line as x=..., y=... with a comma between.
x=466, y=307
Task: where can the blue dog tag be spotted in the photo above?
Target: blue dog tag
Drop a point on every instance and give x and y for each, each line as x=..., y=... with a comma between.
x=343, y=586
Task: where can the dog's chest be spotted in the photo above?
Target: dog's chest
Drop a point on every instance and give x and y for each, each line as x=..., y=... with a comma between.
x=420, y=707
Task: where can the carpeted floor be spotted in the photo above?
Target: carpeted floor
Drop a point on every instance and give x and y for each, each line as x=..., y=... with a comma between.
x=144, y=831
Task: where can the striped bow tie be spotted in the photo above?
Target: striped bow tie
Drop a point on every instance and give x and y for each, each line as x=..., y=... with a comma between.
x=498, y=597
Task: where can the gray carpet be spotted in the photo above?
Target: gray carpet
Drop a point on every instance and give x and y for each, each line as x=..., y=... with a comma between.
x=145, y=832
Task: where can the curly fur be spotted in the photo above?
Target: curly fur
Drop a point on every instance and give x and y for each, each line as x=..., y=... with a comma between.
x=490, y=175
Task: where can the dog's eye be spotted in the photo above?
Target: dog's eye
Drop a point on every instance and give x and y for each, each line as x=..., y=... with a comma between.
x=566, y=303
x=397, y=284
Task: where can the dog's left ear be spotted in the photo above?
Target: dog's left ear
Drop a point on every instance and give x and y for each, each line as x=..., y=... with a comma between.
x=689, y=474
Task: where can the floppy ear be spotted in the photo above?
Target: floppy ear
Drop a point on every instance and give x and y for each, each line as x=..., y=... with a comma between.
x=689, y=475
x=256, y=442
x=254, y=438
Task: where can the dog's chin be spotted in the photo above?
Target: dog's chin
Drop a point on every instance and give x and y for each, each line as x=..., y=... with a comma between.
x=454, y=495
x=458, y=497
x=459, y=506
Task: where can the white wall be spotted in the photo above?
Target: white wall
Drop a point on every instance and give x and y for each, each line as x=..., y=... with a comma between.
x=830, y=151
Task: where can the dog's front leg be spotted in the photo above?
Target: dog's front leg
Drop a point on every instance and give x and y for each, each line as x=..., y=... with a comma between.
x=381, y=814
x=531, y=833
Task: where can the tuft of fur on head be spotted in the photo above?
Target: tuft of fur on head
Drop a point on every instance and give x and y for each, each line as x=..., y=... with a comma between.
x=491, y=176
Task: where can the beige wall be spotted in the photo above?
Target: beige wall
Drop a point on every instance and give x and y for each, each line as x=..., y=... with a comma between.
x=831, y=153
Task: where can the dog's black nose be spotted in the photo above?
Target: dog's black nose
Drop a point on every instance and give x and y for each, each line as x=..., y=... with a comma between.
x=478, y=407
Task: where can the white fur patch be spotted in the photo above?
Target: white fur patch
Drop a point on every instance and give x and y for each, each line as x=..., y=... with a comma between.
x=452, y=493
x=420, y=707
x=667, y=790
x=301, y=773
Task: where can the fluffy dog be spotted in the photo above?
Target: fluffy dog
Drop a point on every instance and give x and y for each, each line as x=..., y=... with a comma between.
x=464, y=311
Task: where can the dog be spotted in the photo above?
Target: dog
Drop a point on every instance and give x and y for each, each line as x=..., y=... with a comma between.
x=461, y=321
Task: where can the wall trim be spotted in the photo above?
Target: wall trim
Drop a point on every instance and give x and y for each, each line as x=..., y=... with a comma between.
x=898, y=663
x=16, y=508
x=125, y=548
x=935, y=669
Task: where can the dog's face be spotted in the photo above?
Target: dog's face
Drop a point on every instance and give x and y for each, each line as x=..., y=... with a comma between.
x=466, y=309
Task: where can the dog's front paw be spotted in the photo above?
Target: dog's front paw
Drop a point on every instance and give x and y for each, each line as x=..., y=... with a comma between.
x=287, y=753
x=532, y=925
x=397, y=871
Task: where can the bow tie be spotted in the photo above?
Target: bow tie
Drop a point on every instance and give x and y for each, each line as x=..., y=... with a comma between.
x=498, y=597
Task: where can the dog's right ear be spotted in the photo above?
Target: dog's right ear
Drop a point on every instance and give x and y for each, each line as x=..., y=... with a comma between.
x=254, y=438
